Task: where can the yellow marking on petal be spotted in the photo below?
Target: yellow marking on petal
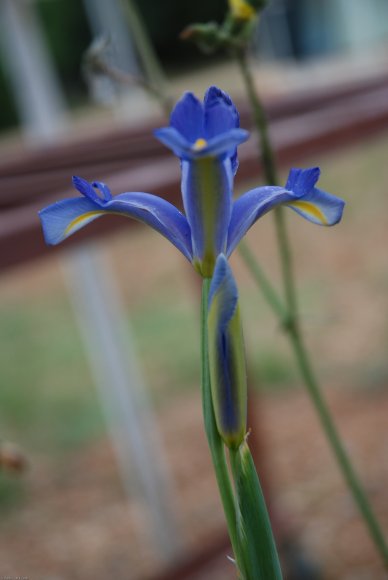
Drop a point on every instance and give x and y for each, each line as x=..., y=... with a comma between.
x=311, y=210
x=81, y=220
x=200, y=144
x=242, y=10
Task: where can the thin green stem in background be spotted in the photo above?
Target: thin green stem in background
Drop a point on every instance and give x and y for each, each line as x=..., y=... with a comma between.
x=292, y=325
x=150, y=62
x=329, y=428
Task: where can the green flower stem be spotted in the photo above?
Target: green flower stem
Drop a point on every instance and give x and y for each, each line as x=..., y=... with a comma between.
x=215, y=442
x=260, y=120
x=292, y=320
x=257, y=544
x=331, y=432
x=267, y=289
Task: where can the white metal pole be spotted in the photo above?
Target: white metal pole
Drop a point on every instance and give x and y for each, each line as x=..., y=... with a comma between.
x=105, y=330
x=32, y=75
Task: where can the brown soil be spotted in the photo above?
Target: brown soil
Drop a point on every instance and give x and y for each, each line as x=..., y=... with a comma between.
x=76, y=522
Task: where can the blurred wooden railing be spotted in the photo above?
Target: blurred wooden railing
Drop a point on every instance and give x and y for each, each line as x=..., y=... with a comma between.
x=302, y=126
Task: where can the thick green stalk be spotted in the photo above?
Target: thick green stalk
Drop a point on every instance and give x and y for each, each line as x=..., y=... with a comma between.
x=215, y=442
x=253, y=524
x=292, y=321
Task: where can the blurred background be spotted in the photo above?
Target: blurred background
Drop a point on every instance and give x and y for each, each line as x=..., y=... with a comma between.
x=104, y=468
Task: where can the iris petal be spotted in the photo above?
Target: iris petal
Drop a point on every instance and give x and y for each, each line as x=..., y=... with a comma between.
x=158, y=213
x=207, y=199
x=62, y=219
x=219, y=146
x=220, y=113
x=87, y=189
x=319, y=207
x=302, y=181
x=174, y=140
x=187, y=117
x=313, y=204
x=250, y=207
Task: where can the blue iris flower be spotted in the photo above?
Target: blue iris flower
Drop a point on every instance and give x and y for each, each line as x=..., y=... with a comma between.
x=205, y=137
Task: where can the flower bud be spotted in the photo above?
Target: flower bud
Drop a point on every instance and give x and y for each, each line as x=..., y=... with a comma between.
x=226, y=356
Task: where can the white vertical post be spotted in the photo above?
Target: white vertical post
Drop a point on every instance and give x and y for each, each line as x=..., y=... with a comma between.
x=109, y=19
x=34, y=81
x=134, y=433
x=106, y=18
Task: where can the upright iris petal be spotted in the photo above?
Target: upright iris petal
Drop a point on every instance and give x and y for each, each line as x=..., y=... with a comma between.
x=226, y=356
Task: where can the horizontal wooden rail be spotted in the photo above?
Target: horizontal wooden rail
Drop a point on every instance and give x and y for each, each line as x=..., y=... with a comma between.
x=132, y=160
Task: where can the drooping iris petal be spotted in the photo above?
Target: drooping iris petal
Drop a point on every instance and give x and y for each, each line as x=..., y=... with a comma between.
x=207, y=199
x=62, y=219
x=226, y=356
x=319, y=207
x=300, y=194
x=248, y=208
x=158, y=213
x=313, y=204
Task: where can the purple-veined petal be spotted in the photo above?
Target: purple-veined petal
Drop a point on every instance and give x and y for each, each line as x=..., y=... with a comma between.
x=250, y=207
x=207, y=198
x=187, y=117
x=226, y=356
x=62, y=219
x=319, y=207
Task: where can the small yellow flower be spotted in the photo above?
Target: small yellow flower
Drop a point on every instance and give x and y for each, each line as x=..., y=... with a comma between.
x=242, y=10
